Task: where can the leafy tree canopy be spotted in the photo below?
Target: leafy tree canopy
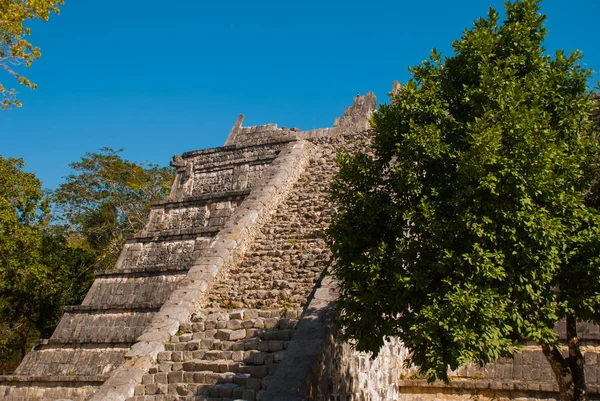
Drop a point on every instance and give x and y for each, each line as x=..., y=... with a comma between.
x=15, y=49
x=43, y=266
x=22, y=212
x=107, y=198
x=474, y=224
x=38, y=272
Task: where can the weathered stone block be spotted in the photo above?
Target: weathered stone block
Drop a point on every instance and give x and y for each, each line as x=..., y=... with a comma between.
x=223, y=334
x=237, y=335
x=175, y=377
x=271, y=323
x=235, y=324
x=161, y=378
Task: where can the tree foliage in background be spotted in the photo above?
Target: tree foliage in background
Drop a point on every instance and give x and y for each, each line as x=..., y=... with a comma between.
x=39, y=273
x=107, y=198
x=15, y=49
x=22, y=276
x=45, y=266
x=475, y=224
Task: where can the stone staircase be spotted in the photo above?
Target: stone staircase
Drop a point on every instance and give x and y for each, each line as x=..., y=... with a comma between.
x=232, y=345
x=290, y=253
x=221, y=355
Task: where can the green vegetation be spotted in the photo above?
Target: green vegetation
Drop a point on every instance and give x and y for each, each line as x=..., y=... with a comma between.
x=107, y=198
x=39, y=273
x=48, y=260
x=475, y=223
x=15, y=49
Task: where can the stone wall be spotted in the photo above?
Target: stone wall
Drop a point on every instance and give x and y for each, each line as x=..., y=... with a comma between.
x=86, y=359
x=123, y=289
x=342, y=373
x=84, y=325
x=24, y=388
x=530, y=365
x=221, y=170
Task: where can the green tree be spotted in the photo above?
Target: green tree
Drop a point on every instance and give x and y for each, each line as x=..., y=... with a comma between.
x=72, y=274
x=107, y=198
x=39, y=273
x=474, y=224
x=22, y=213
x=25, y=281
x=15, y=49
x=44, y=267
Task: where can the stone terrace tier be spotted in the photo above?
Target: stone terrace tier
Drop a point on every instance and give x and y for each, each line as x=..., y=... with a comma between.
x=31, y=387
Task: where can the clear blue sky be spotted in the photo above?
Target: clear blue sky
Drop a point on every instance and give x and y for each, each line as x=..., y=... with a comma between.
x=158, y=78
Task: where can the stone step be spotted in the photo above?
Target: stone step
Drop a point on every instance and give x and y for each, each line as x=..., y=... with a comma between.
x=286, y=232
x=141, y=307
x=204, y=383
x=235, y=361
x=235, y=331
x=200, y=199
x=145, y=270
x=222, y=366
x=44, y=387
x=244, y=314
x=229, y=325
x=249, y=376
x=84, y=324
x=231, y=390
x=244, y=283
x=271, y=352
x=264, y=341
x=73, y=360
x=175, y=234
x=280, y=243
x=238, y=352
x=217, y=393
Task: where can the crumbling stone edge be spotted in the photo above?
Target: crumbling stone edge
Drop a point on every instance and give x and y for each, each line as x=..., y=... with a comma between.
x=289, y=381
x=227, y=248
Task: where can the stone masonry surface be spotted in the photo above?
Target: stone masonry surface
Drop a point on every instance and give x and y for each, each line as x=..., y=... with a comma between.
x=273, y=280
x=228, y=247
x=288, y=256
x=92, y=339
x=224, y=295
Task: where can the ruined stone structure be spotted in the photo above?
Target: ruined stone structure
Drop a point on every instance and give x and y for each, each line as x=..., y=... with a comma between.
x=224, y=295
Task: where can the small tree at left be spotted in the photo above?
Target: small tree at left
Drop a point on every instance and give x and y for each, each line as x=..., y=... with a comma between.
x=15, y=49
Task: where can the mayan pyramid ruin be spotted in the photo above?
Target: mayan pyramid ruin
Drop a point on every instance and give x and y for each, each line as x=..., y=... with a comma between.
x=224, y=295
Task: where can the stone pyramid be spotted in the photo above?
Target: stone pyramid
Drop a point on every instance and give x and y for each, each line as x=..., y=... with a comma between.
x=224, y=295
